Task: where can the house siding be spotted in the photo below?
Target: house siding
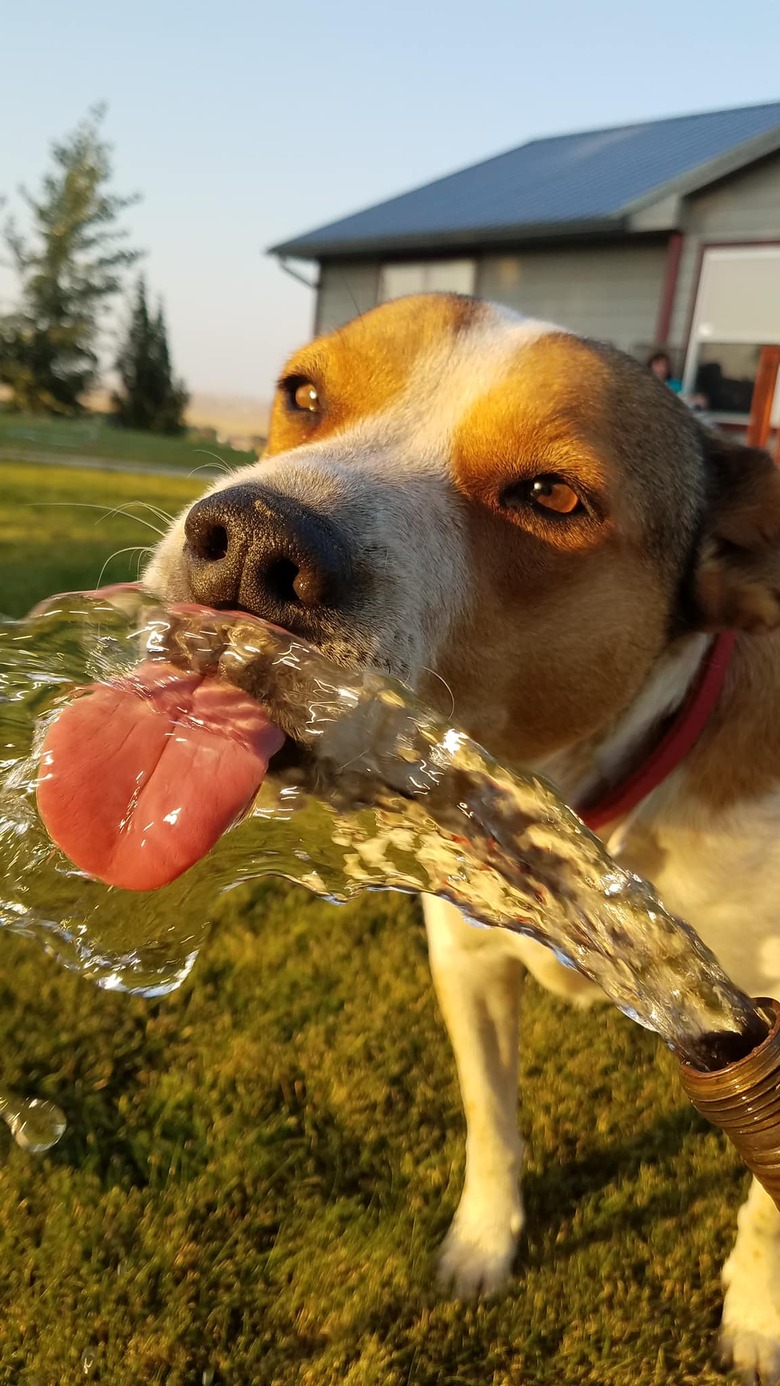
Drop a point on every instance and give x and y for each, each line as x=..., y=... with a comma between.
x=346, y=288
x=609, y=292
x=745, y=207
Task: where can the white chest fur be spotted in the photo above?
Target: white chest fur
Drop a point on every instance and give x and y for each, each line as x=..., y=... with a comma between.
x=719, y=871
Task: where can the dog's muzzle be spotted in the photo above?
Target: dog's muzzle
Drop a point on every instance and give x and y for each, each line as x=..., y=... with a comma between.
x=250, y=547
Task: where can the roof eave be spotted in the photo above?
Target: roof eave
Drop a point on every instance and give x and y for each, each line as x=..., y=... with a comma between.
x=705, y=174
x=474, y=238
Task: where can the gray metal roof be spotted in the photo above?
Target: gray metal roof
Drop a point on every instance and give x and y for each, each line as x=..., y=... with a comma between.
x=563, y=185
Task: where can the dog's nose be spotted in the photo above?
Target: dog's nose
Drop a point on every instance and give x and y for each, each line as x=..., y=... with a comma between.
x=250, y=547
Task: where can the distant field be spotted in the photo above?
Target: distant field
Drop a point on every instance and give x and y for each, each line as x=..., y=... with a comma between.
x=257, y=1170
x=93, y=436
x=59, y=528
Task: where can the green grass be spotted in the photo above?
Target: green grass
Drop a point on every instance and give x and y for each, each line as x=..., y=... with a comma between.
x=59, y=527
x=95, y=436
x=257, y=1169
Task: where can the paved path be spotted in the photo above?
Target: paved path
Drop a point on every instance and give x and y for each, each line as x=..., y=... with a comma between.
x=101, y=464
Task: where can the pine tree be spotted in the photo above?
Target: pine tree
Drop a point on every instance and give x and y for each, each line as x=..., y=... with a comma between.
x=69, y=267
x=150, y=398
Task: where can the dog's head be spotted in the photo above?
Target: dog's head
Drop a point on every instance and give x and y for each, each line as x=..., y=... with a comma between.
x=453, y=493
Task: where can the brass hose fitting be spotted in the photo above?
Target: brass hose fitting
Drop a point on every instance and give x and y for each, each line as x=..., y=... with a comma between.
x=744, y=1100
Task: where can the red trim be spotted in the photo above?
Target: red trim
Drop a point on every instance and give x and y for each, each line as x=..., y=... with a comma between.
x=677, y=741
x=669, y=287
x=760, y=422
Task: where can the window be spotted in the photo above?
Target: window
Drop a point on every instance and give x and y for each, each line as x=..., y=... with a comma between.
x=725, y=375
x=737, y=312
x=425, y=277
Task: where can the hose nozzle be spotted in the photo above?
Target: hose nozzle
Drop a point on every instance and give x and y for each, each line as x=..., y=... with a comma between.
x=744, y=1100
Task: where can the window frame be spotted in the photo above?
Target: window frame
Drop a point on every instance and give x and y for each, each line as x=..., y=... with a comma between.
x=758, y=249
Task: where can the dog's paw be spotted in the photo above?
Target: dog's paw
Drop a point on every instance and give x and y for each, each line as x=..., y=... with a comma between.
x=752, y=1352
x=476, y=1255
x=750, y=1330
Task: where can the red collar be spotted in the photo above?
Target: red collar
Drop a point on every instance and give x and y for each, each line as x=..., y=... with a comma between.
x=685, y=729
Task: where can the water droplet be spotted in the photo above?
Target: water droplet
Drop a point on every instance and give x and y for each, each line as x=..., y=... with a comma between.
x=35, y=1123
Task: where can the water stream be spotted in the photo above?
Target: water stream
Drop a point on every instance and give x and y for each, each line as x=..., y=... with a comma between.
x=372, y=790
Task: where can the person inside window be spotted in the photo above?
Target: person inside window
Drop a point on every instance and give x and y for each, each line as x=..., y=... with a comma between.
x=661, y=367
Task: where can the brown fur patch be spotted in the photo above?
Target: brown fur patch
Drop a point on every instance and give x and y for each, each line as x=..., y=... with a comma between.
x=737, y=585
x=738, y=580
x=568, y=614
x=557, y=644
x=546, y=415
x=360, y=369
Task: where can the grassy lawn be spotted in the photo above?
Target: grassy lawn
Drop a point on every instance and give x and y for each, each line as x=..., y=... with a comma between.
x=59, y=527
x=257, y=1169
x=93, y=436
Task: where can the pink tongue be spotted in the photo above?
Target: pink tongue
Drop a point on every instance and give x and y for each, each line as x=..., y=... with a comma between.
x=139, y=778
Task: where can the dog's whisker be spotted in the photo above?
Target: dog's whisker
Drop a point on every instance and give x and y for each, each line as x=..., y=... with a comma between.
x=223, y=465
x=352, y=760
x=140, y=549
x=434, y=674
x=206, y=466
x=107, y=512
x=128, y=515
x=350, y=293
x=155, y=510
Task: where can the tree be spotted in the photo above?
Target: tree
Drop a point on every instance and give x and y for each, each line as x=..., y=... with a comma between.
x=150, y=398
x=70, y=265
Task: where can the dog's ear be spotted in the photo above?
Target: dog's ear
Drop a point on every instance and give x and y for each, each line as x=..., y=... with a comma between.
x=737, y=580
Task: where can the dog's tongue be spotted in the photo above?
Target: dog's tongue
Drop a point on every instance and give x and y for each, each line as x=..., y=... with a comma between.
x=140, y=777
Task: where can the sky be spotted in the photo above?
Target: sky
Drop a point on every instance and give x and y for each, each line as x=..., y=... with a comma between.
x=245, y=122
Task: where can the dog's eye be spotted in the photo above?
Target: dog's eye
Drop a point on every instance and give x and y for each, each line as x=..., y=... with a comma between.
x=550, y=493
x=553, y=494
x=306, y=397
x=302, y=394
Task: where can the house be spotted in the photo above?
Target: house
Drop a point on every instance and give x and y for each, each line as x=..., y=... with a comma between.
x=665, y=233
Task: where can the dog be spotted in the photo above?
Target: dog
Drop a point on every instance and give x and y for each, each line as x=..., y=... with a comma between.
x=477, y=502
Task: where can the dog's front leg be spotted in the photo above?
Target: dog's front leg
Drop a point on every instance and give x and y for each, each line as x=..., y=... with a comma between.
x=750, y=1333
x=477, y=975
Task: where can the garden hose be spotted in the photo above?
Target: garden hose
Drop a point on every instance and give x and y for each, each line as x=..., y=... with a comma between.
x=743, y=1098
